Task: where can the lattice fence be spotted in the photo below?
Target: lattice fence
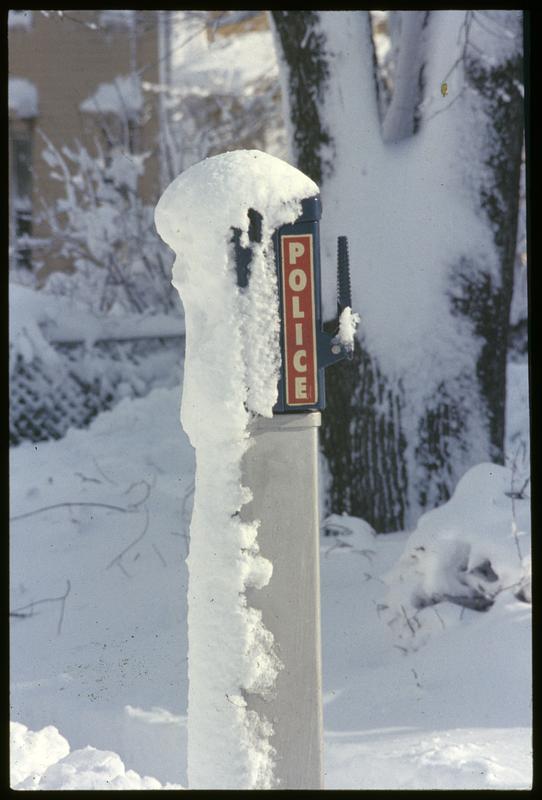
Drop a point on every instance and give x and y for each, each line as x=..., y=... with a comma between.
x=49, y=396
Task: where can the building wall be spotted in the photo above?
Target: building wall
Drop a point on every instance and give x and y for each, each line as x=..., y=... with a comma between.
x=230, y=23
x=66, y=60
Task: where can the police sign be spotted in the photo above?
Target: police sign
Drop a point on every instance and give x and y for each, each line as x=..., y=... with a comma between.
x=297, y=256
x=299, y=319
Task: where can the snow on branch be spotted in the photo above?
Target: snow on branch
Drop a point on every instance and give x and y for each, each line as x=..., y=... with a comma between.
x=123, y=96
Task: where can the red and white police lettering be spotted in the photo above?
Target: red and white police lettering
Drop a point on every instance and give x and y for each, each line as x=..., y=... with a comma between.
x=299, y=319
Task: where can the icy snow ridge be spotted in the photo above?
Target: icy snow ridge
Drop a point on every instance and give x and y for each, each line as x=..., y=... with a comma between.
x=231, y=373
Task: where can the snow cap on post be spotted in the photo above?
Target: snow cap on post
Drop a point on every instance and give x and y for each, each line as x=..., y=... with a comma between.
x=195, y=217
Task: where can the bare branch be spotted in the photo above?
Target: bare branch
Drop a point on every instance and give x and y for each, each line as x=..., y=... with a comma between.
x=464, y=31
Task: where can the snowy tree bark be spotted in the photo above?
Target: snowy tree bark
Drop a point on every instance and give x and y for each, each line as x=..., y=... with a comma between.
x=428, y=197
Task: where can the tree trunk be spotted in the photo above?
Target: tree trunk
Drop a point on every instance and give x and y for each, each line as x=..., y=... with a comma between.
x=428, y=200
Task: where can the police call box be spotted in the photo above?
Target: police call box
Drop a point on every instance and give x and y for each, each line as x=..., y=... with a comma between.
x=305, y=348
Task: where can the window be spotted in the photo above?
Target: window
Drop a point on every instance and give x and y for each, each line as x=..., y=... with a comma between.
x=21, y=193
x=20, y=19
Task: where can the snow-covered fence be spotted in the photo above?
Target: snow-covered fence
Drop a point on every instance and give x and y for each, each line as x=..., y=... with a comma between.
x=67, y=365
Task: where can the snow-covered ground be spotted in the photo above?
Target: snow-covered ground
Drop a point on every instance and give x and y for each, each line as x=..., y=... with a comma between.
x=99, y=645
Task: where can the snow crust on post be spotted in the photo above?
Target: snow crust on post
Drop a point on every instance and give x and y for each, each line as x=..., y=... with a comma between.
x=231, y=372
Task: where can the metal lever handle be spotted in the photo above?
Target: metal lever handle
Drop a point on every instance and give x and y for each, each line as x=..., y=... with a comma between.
x=344, y=294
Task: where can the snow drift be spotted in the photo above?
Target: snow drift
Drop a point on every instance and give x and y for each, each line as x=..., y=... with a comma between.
x=470, y=552
x=42, y=760
x=453, y=714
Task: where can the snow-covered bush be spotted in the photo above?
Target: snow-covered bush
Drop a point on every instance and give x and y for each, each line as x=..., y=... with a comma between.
x=102, y=228
x=468, y=552
x=224, y=95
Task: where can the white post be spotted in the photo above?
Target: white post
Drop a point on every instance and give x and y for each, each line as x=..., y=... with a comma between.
x=281, y=469
x=249, y=725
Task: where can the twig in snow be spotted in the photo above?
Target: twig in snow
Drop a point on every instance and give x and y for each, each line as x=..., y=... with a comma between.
x=510, y=586
x=335, y=546
x=376, y=578
x=18, y=612
x=380, y=607
x=367, y=553
x=102, y=473
x=143, y=482
x=189, y=492
x=463, y=30
x=477, y=602
x=139, y=502
x=503, y=30
x=445, y=108
x=118, y=559
x=62, y=607
x=465, y=27
x=514, y=495
x=184, y=513
x=85, y=479
x=440, y=618
x=159, y=554
x=408, y=621
x=183, y=536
